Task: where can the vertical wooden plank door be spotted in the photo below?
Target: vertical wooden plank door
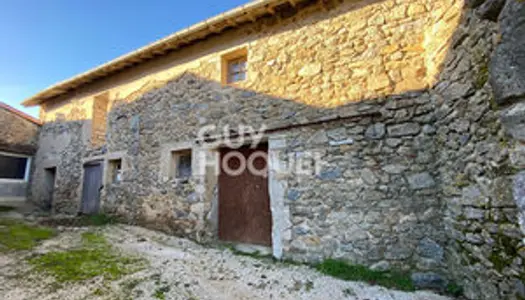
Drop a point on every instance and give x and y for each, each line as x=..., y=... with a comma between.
x=91, y=188
x=244, y=202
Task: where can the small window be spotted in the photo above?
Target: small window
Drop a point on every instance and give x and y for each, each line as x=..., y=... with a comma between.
x=115, y=167
x=237, y=70
x=234, y=66
x=13, y=167
x=181, y=164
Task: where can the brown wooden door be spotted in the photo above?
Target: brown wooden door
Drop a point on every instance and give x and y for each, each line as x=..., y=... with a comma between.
x=244, y=202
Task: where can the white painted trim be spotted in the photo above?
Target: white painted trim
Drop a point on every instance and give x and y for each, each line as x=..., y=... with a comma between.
x=277, y=186
x=28, y=169
x=13, y=154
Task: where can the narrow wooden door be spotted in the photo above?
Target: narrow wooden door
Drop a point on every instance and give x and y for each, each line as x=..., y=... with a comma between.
x=91, y=188
x=244, y=202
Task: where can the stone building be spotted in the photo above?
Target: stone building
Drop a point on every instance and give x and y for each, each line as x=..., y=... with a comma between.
x=18, y=144
x=393, y=131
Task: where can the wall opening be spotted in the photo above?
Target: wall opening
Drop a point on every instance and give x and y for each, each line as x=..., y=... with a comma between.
x=98, y=125
x=181, y=164
x=115, y=170
x=49, y=181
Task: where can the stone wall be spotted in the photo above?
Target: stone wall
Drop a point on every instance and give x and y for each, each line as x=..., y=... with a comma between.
x=378, y=160
x=422, y=160
x=478, y=160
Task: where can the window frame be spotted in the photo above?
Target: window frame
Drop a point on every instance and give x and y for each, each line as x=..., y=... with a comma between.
x=236, y=57
x=27, y=168
x=174, y=165
x=112, y=174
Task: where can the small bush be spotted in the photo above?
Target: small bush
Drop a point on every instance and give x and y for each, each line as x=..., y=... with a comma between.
x=345, y=271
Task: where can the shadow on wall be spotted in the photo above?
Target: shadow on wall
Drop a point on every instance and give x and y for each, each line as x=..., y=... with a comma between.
x=376, y=49
x=392, y=92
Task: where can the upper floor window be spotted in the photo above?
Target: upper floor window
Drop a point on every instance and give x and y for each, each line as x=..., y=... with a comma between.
x=237, y=70
x=234, y=66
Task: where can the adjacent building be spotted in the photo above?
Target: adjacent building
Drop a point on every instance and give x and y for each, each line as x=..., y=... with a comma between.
x=18, y=144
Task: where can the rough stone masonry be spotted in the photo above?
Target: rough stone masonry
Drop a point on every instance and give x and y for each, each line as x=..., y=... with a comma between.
x=416, y=108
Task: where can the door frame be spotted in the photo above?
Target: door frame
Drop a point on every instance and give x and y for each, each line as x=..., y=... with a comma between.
x=219, y=151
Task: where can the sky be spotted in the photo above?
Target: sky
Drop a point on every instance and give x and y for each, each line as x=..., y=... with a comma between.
x=43, y=42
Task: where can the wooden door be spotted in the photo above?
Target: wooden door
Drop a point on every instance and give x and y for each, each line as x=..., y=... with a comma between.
x=91, y=188
x=244, y=202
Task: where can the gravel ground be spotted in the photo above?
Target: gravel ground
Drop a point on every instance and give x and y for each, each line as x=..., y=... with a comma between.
x=181, y=269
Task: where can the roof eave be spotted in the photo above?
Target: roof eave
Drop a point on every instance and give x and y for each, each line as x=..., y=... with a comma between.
x=251, y=11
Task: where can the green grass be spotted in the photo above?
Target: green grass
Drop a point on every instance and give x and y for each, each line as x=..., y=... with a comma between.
x=345, y=271
x=16, y=235
x=454, y=289
x=160, y=293
x=98, y=220
x=95, y=258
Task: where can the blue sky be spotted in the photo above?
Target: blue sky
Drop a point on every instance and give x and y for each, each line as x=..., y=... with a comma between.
x=45, y=41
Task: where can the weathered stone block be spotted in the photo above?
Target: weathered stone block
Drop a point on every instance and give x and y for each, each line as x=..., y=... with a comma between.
x=519, y=197
x=428, y=248
x=395, y=169
x=293, y=194
x=472, y=213
x=310, y=70
x=421, y=181
x=428, y=280
x=403, y=129
x=472, y=195
x=375, y=131
x=501, y=189
x=330, y=174
x=513, y=119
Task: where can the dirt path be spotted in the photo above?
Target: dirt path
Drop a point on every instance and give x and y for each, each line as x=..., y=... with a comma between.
x=181, y=269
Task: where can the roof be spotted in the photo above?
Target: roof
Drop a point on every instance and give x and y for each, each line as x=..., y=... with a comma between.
x=20, y=113
x=249, y=12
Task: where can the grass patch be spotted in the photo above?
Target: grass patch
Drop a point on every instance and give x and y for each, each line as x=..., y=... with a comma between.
x=95, y=258
x=254, y=254
x=98, y=220
x=345, y=271
x=454, y=289
x=16, y=235
x=160, y=293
